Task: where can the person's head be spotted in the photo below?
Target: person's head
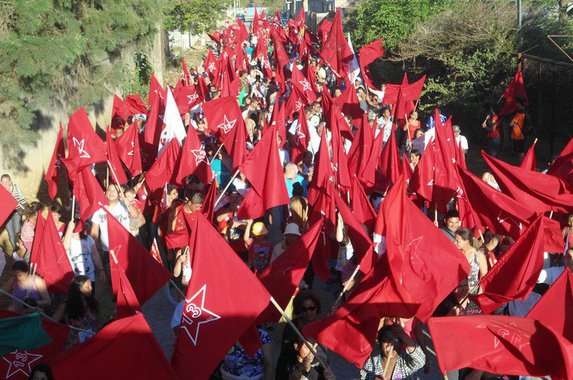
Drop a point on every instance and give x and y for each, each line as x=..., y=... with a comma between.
x=20, y=271
x=452, y=220
x=41, y=371
x=130, y=194
x=171, y=191
x=307, y=158
x=387, y=340
x=6, y=181
x=457, y=130
x=306, y=306
x=259, y=229
x=291, y=234
x=337, y=92
x=414, y=115
x=194, y=183
x=415, y=156
x=291, y=170
x=56, y=210
x=118, y=131
x=297, y=190
x=464, y=239
x=570, y=220
x=195, y=202
x=385, y=112
x=112, y=193
x=32, y=211
x=418, y=133
x=80, y=293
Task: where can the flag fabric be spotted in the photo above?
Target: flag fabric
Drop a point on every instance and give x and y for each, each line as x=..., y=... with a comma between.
x=302, y=86
x=49, y=254
x=173, y=128
x=164, y=170
x=7, y=204
x=126, y=304
x=55, y=165
x=155, y=91
x=113, y=160
x=562, y=167
x=208, y=208
x=88, y=193
x=104, y=355
x=421, y=258
x=335, y=50
x=154, y=251
x=222, y=115
x=23, y=332
x=322, y=171
x=540, y=192
x=282, y=277
x=529, y=162
x=390, y=167
x=187, y=97
x=351, y=330
x=348, y=102
x=360, y=204
x=516, y=272
x=268, y=187
x=84, y=145
x=501, y=345
x=422, y=181
x=235, y=143
x=18, y=363
x=218, y=309
x=515, y=90
x=555, y=308
x=368, y=54
x=120, y=112
x=186, y=77
x=128, y=150
x=145, y=274
x=194, y=159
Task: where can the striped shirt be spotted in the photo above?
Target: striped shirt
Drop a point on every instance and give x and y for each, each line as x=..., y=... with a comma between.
x=19, y=196
x=407, y=365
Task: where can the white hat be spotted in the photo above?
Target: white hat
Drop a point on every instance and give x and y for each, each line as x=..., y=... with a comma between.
x=292, y=229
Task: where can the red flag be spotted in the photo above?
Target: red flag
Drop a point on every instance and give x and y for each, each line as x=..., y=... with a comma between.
x=368, y=54
x=555, y=308
x=322, y=171
x=352, y=329
x=348, y=102
x=339, y=159
x=515, y=89
x=529, y=162
x=88, y=193
x=302, y=86
x=218, y=309
x=540, y=192
x=164, y=170
x=335, y=50
x=368, y=175
x=515, y=274
x=55, y=164
x=113, y=159
x=553, y=238
x=18, y=365
x=562, y=167
x=120, y=112
x=208, y=208
x=502, y=345
x=389, y=165
x=154, y=251
x=84, y=145
x=210, y=64
x=50, y=256
x=268, y=187
x=194, y=159
x=127, y=304
x=145, y=274
x=420, y=258
x=7, y=204
x=361, y=206
x=104, y=355
x=284, y=275
x=186, y=76
x=222, y=115
x=187, y=97
x=128, y=150
x=135, y=105
x=422, y=181
x=361, y=148
x=156, y=92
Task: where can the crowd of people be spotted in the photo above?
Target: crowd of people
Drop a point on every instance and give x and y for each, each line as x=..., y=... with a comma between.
x=161, y=222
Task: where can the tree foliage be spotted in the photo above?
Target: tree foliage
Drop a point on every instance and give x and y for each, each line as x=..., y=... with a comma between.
x=195, y=16
x=64, y=54
x=391, y=19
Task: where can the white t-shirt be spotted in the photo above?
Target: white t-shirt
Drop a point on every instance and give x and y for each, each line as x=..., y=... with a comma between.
x=100, y=218
x=461, y=140
x=80, y=255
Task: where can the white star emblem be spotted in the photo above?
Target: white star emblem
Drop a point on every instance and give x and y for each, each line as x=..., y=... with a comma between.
x=299, y=133
x=193, y=98
x=194, y=316
x=200, y=155
x=225, y=55
x=266, y=64
x=305, y=85
x=159, y=94
x=80, y=145
x=227, y=124
x=431, y=183
x=260, y=22
x=298, y=105
x=211, y=67
x=130, y=153
x=20, y=361
x=58, y=163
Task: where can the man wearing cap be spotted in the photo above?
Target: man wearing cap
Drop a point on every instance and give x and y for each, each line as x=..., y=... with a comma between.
x=290, y=236
x=255, y=238
x=460, y=139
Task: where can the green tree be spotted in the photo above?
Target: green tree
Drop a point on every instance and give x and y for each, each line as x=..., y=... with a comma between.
x=64, y=54
x=195, y=16
x=391, y=19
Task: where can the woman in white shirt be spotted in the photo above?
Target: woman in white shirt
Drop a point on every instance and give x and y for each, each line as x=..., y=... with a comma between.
x=83, y=254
